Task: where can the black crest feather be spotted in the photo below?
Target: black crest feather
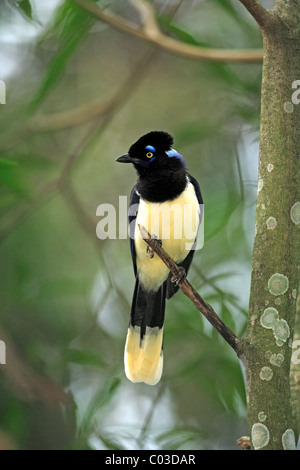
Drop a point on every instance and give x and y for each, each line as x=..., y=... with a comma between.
x=161, y=140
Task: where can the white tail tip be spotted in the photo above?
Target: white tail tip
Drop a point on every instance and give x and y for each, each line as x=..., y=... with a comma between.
x=143, y=359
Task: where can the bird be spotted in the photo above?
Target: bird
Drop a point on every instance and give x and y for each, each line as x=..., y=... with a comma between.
x=167, y=201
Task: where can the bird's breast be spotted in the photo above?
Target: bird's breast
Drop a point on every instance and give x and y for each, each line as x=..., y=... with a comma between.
x=175, y=223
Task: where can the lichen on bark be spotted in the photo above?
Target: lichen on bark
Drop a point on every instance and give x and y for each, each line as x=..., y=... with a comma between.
x=278, y=250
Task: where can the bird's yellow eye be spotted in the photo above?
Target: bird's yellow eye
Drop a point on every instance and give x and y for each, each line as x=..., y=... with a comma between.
x=149, y=154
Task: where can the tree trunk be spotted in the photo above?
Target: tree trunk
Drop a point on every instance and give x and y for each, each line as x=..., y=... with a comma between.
x=276, y=253
x=295, y=369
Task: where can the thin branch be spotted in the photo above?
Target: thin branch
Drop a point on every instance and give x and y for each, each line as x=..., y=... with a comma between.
x=88, y=224
x=146, y=11
x=26, y=383
x=150, y=32
x=259, y=13
x=70, y=118
x=238, y=164
x=98, y=110
x=192, y=294
x=28, y=208
x=149, y=416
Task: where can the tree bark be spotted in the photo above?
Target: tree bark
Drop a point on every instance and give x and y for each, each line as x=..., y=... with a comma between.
x=295, y=369
x=276, y=252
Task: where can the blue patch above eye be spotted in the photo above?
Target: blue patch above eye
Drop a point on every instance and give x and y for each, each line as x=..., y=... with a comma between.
x=150, y=148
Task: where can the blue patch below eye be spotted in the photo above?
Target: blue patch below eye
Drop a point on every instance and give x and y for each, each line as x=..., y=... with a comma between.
x=150, y=148
x=145, y=164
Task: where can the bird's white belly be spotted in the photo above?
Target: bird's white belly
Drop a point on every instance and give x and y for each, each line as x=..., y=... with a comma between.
x=175, y=223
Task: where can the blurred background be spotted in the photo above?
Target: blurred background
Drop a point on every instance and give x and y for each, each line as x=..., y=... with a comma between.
x=78, y=94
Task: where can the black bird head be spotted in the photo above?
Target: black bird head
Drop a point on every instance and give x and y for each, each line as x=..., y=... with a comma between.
x=153, y=152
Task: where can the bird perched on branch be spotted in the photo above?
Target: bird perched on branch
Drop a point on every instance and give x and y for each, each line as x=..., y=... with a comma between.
x=167, y=201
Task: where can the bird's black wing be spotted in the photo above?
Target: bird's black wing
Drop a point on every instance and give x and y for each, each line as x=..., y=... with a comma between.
x=197, y=191
x=186, y=263
x=132, y=213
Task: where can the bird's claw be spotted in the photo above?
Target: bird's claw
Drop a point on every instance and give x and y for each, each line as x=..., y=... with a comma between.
x=180, y=276
x=149, y=249
x=150, y=252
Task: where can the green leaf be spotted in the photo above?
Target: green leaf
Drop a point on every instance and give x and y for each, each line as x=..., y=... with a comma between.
x=87, y=358
x=220, y=71
x=25, y=6
x=229, y=9
x=180, y=33
x=11, y=177
x=227, y=317
x=110, y=441
x=218, y=212
x=234, y=13
x=100, y=399
x=6, y=163
x=176, y=438
x=190, y=133
x=70, y=26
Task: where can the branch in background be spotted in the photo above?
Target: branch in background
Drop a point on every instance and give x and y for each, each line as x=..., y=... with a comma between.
x=103, y=119
x=149, y=31
x=192, y=294
x=27, y=384
x=72, y=118
x=98, y=110
x=88, y=224
x=27, y=208
x=147, y=14
x=259, y=13
x=148, y=418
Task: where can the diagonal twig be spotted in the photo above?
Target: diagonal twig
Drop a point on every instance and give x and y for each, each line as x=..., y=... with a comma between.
x=192, y=294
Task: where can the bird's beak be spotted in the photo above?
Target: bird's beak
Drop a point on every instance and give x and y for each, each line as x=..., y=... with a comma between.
x=124, y=159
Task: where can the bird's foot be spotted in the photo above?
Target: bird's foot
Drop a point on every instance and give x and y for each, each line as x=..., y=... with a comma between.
x=180, y=276
x=150, y=250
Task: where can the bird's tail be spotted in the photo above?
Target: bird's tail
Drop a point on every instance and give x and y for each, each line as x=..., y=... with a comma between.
x=144, y=345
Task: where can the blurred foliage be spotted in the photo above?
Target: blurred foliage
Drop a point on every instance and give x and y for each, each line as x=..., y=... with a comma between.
x=78, y=94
